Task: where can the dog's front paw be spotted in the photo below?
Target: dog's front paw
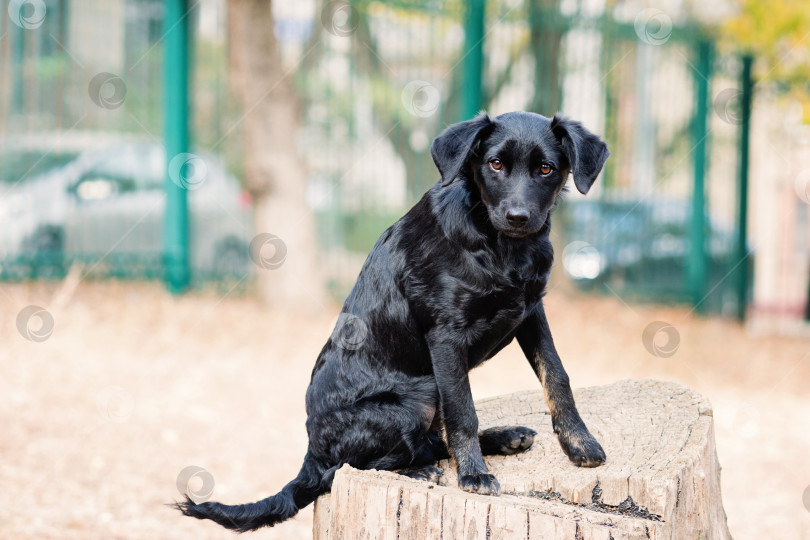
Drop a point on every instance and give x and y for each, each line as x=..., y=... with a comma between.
x=506, y=440
x=580, y=446
x=482, y=483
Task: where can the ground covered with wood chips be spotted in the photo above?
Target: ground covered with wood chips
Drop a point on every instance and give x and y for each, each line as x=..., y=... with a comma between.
x=134, y=385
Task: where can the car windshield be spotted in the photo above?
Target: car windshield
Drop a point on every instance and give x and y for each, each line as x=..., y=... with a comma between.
x=140, y=167
x=21, y=165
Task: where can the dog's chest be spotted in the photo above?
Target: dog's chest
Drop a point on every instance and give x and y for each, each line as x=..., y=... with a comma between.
x=496, y=302
x=491, y=320
x=511, y=302
x=522, y=275
x=493, y=287
x=502, y=297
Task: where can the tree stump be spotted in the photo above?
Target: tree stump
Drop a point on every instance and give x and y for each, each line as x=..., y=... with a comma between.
x=661, y=479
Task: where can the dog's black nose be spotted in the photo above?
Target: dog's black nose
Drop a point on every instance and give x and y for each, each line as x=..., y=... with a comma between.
x=517, y=217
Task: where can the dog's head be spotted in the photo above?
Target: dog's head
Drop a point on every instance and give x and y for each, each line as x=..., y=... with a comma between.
x=519, y=162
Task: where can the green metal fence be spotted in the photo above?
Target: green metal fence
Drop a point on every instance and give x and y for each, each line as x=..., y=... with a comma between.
x=94, y=96
x=663, y=223
x=376, y=80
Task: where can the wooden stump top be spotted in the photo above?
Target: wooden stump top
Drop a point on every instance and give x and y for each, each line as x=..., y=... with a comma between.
x=661, y=478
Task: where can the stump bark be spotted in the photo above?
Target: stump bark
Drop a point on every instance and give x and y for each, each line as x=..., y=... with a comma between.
x=661, y=479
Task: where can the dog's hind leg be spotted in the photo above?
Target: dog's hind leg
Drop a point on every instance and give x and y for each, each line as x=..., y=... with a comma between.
x=496, y=441
x=379, y=431
x=502, y=440
x=428, y=473
x=506, y=440
x=429, y=449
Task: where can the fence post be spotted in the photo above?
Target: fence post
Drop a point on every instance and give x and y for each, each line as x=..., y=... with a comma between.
x=741, y=255
x=176, y=140
x=696, y=261
x=473, y=59
x=17, y=77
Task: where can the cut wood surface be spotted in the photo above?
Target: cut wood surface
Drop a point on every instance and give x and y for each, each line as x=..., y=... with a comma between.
x=661, y=479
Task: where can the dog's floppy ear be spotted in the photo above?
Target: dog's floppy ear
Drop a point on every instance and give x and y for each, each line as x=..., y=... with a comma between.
x=585, y=151
x=453, y=149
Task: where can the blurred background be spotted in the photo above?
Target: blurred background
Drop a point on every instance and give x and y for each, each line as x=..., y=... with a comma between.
x=189, y=188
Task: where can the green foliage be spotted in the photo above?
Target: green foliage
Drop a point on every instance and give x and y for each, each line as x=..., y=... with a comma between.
x=778, y=33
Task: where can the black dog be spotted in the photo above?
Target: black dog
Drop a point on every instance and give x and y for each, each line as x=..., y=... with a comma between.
x=444, y=289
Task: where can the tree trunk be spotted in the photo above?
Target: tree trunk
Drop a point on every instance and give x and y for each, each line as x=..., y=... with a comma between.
x=661, y=479
x=275, y=174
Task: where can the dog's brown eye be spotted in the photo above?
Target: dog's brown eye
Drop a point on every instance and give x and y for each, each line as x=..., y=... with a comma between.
x=496, y=164
x=545, y=169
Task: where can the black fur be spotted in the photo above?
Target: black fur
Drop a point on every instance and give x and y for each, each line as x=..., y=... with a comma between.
x=444, y=289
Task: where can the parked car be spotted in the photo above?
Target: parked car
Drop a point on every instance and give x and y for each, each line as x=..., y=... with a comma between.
x=106, y=207
x=643, y=243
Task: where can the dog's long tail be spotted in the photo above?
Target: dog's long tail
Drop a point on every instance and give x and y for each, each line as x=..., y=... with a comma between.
x=312, y=481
